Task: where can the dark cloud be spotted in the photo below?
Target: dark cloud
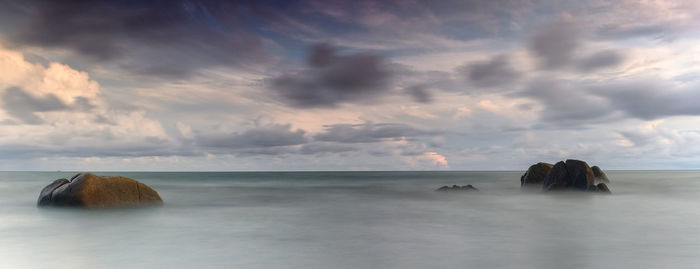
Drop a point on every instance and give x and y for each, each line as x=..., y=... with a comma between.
x=369, y=132
x=555, y=44
x=23, y=105
x=420, y=93
x=602, y=59
x=269, y=151
x=650, y=100
x=495, y=72
x=145, y=37
x=278, y=139
x=321, y=148
x=422, y=86
x=273, y=135
x=580, y=102
x=565, y=103
x=332, y=78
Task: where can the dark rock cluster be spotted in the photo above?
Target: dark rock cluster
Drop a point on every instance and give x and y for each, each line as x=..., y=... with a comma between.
x=458, y=188
x=565, y=175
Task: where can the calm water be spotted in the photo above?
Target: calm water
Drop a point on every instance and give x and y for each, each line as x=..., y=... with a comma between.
x=359, y=220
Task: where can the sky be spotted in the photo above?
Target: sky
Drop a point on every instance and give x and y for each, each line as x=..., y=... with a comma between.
x=348, y=85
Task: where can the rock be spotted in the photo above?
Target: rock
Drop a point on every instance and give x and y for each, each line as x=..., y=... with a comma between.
x=601, y=187
x=569, y=175
x=443, y=188
x=469, y=188
x=458, y=188
x=91, y=191
x=535, y=174
x=45, y=195
x=599, y=174
x=580, y=174
x=557, y=178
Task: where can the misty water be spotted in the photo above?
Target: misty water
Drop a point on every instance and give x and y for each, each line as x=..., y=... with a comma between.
x=359, y=220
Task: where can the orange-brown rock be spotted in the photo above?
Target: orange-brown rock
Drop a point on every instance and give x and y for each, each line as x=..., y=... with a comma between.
x=599, y=174
x=91, y=191
x=535, y=174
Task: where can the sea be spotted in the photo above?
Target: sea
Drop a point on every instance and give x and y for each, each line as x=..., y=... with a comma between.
x=358, y=220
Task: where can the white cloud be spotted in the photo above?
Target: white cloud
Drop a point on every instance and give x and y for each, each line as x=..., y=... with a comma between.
x=94, y=129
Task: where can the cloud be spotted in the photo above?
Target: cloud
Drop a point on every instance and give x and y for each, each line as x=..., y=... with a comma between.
x=60, y=112
x=654, y=30
x=599, y=60
x=22, y=105
x=172, y=38
x=420, y=93
x=423, y=86
x=392, y=25
x=555, y=44
x=566, y=103
x=581, y=102
x=435, y=158
x=650, y=99
x=321, y=148
x=656, y=20
x=562, y=44
x=28, y=90
x=273, y=135
x=369, y=132
x=638, y=139
x=62, y=81
x=659, y=139
x=495, y=72
x=332, y=79
x=569, y=102
x=73, y=134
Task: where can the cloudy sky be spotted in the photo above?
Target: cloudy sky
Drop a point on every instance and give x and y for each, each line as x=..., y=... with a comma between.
x=348, y=85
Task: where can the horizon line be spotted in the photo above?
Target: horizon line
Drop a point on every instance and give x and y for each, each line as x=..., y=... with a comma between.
x=301, y=171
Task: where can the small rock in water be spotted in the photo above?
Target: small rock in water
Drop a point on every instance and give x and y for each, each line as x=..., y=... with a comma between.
x=469, y=188
x=443, y=188
x=458, y=188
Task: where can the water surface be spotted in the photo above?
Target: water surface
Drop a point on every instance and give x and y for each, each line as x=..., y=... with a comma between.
x=359, y=220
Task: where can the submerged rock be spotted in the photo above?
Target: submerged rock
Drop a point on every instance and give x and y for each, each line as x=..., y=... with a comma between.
x=458, y=188
x=91, y=191
x=535, y=174
x=602, y=188
x=599, y=174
